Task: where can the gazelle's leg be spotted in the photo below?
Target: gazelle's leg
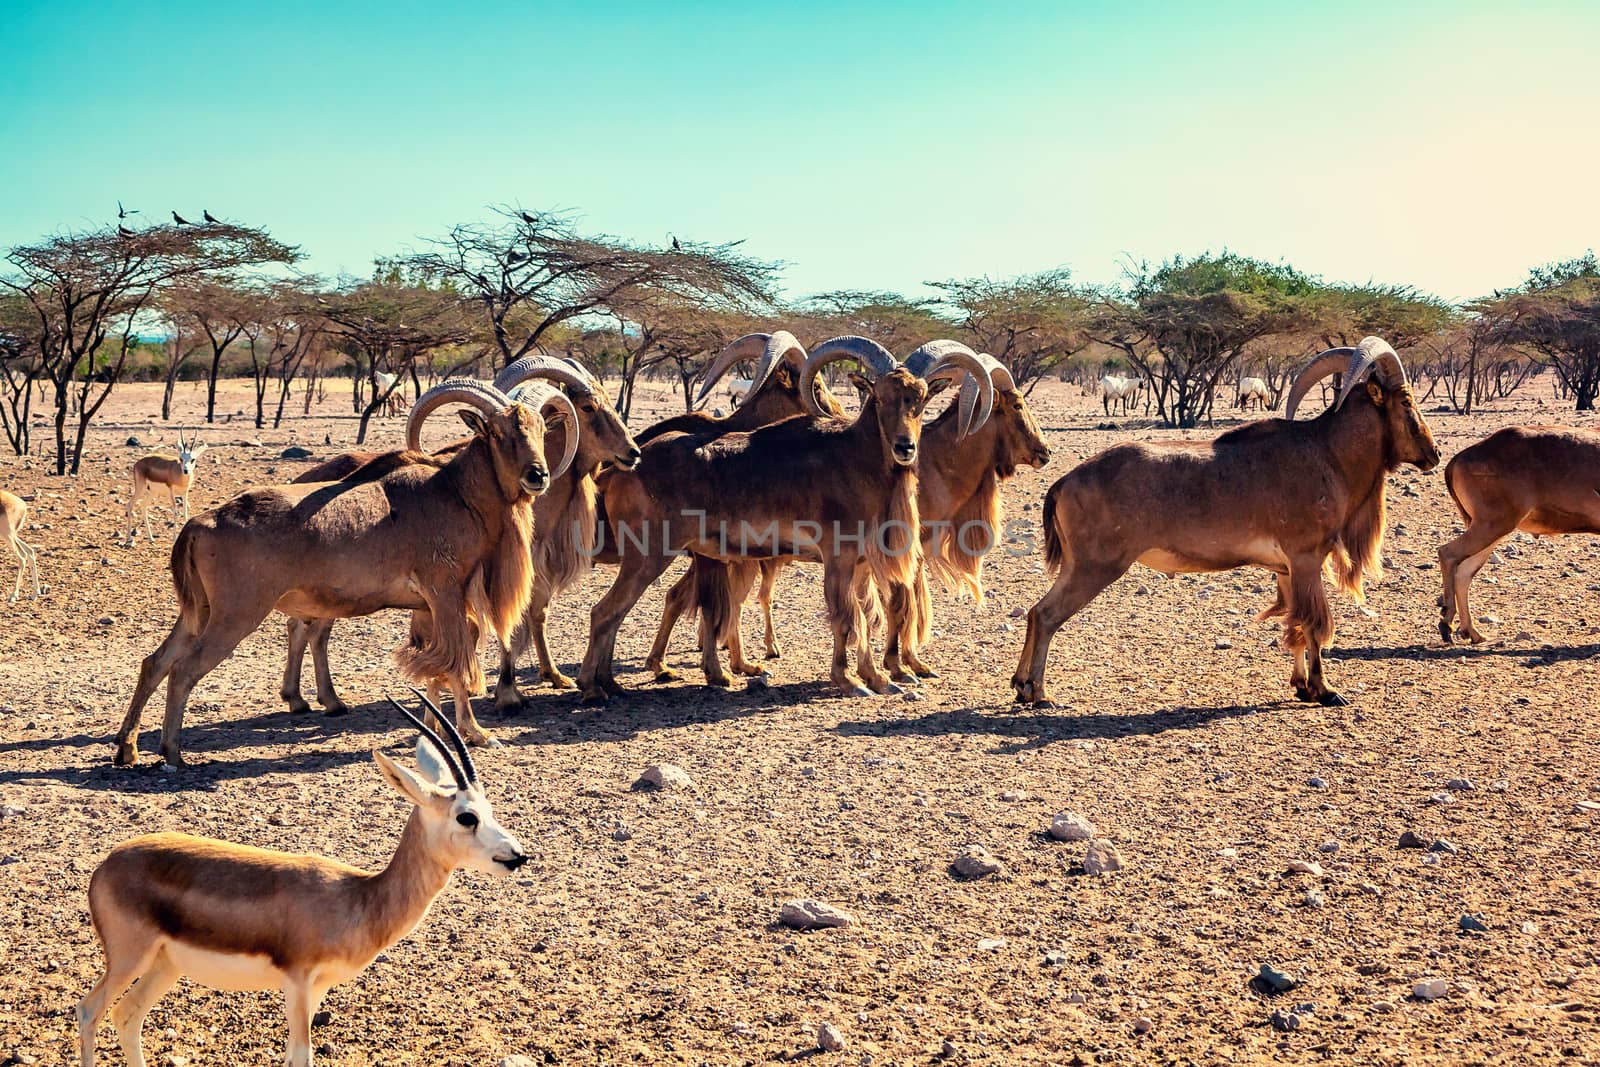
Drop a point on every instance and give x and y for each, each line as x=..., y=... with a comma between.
x=297, y=1007
x=128, y=1015
x=122, y=967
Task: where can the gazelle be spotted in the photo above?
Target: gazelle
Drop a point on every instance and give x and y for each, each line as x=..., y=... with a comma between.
x=13, y=513
x=176, y=473
x=237, y=917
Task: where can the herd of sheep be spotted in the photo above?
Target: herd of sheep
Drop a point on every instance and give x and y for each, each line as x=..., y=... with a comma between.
x=482, y=535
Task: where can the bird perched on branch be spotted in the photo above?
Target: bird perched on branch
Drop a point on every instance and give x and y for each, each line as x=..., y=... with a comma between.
x=209, y=217
x=514, y=256
x=180, y=220
x=676, y=247
x=123, y=231
x=531, y=220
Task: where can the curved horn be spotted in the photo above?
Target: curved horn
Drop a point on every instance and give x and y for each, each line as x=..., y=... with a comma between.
x=455, y=738
x=998, y=374
x=952, y=359
x=542, y=367
x=766, y=350
x=540, y=396
x=864, y=350
x=433, y=739
x=1373, y=354
x=481, y=395
x=578, y=365
x=1333, y=361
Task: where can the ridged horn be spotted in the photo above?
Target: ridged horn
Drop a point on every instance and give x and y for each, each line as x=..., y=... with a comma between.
x=864, y=350
x=481, y=395
x=952, y=359
x=1376, y=356
x=541, y=396
x=766, y=350
x=542, y=367
x=578, y=365
x=998, y=374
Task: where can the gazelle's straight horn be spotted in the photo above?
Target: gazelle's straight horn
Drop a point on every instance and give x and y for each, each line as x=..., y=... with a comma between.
x=433, y=739
x=467, y=766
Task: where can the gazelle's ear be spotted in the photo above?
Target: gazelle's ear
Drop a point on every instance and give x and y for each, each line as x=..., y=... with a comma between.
x=432, y=767
x=407, y=783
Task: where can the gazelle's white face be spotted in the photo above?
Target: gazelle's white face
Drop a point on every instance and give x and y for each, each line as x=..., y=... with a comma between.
x=459, y=823
x=187, y=454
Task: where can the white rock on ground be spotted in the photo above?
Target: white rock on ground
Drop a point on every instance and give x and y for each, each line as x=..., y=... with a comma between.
x=664, y=776
x=1102, y=858
x=1070, y=826
x=829, y=1039
x=976, y=862
x=813, y=914
x=1430, y=989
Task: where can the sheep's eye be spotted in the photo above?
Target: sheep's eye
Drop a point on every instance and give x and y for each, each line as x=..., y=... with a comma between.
x=468, y=819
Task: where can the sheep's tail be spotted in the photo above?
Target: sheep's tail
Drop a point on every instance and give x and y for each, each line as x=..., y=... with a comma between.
x=1055, y=520
x=194, y=606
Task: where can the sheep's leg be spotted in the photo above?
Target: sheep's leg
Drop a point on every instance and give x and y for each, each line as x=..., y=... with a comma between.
x=1308, y=627
x=595, y=677
x=1280, y=604
x=221, y=636
x=466, y=722
x=741, y=579
x=1480, y=538
x=299, y=636
x=902, y=619
x=710, y=654
x=541, y=645
x=1077, y=584
x=770, y=569
x=327, y=696
x=129, y=1014
x=679, y=599
x=1465, y=572
x=845, y=619
x=507, y=697
x=156, y=666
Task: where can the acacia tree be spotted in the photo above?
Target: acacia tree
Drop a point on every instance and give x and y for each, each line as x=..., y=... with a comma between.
x=19, y=365
x=217, y=309
x=1556, y=313
x=1033, y=323
x=87, y=288
x=529, y=273
x=390, y=323
x=898, y=322
x=183, y=341
x=1185, y=323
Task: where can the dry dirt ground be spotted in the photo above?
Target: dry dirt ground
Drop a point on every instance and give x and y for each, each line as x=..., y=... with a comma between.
x=644, y=928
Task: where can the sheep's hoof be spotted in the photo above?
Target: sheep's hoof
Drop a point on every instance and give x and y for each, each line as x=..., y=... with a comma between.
x=298, y=705
x=1444, y=633
x=774, y=653
x=925, y=672
x=1303, y=694
x=508, y=702
x=1330, y=699
x=721, y=681
x=127, y=755
x=594, y=698
x=1472, y=635
x=558, y=680
x=174, y=759
x=667, y=674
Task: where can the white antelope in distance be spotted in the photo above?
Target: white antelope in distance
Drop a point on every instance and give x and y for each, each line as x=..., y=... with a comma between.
x=13, y=513
x=1115, y=389
x=394, y=401
x=1253, y=389
x=238, y=917
x=175, y=473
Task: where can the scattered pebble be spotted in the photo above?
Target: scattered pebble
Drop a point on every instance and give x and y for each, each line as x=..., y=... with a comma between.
x=1460, y=785
x=1070, y=826
x=1102, y=858
x=1274, y=980
x=1442, y=799
x=1412, y=839
x=991, y=944
x=1310, y=867
x=976, y=862
x=1330, y=847
x=813, y=914
x=1530, y=927
x=947, y=1049
x=1500, y=785
x=1586, y=807
x=1474, y=924
x=829, y=1039
x=1223, y=643
x=1430, y=989
x=1317, y=783
x=1055, y=958
x=1383, y=1006
x=1143, y=1025
x=664, y=776
x=1285, y=1021
x=517, y=1060
x=1442, y=845
x=1315, y=899
x=1017, y=613
x=1011, y=796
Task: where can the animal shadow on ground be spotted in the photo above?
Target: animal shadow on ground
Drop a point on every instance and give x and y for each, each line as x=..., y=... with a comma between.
x=1536, y=656
x=1032, y=730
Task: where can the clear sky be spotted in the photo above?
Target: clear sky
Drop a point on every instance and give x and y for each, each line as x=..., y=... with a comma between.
x=1448, y=145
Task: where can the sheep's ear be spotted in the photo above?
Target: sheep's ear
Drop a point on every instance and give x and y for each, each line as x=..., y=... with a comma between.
x=475, y=421
x=785, y=375
x=937, y=386
x=1375, y=392
x=862, y=383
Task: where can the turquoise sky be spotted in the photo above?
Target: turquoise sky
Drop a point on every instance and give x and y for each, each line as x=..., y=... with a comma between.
x=1448, y=145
